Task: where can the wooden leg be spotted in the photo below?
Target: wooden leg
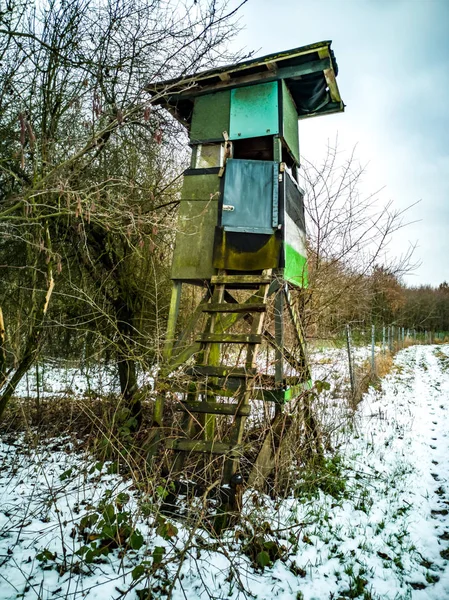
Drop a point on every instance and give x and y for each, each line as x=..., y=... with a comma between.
x=172, y=318
x=279, y=336
x=155, y=436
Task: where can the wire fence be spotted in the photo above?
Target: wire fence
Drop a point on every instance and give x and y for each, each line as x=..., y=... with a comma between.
x=385, y=339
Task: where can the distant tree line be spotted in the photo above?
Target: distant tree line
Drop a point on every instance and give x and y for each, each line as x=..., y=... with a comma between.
x=380, y=298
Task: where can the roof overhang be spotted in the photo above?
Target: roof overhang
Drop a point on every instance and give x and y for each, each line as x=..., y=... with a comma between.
x=309, y=72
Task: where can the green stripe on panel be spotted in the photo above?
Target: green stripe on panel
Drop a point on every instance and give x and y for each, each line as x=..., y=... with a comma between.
x=295, y=270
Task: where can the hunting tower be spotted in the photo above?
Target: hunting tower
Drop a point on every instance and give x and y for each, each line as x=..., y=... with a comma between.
x=240, y=231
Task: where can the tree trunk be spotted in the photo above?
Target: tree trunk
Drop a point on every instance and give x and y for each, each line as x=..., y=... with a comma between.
x=126, y=363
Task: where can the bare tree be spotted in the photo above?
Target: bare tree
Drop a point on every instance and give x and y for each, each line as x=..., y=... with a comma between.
x=88, y=175
x=348, y=236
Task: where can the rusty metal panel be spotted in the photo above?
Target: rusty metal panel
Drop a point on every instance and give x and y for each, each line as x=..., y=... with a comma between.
x=254, y=111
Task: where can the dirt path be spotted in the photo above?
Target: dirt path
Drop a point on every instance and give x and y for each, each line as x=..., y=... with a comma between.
x=421, y=387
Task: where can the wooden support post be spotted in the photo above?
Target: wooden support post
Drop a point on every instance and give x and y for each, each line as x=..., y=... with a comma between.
x=300, y=336
x=2, y=349
x=277, y=149
x=279, y=336
x=350, y=361
x=168, y=347
x=179, y=346
x=172, y=318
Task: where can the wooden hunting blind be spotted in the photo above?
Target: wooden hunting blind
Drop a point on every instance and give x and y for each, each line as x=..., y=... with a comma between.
x=241, y=226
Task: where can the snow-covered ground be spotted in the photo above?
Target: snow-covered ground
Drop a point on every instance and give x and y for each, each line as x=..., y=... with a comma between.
x=379, y=530
x=52, y=380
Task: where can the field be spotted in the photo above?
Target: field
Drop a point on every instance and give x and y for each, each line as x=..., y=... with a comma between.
x=370, y=522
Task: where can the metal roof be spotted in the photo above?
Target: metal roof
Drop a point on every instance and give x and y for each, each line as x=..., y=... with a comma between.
x=309, y=72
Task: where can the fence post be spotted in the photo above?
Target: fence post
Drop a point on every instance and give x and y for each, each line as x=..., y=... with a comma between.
x=373, y=343
x=383, y=339
x=351, y=368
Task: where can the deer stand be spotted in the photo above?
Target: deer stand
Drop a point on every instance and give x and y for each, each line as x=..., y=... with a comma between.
x=216, y=379
x=241, y=236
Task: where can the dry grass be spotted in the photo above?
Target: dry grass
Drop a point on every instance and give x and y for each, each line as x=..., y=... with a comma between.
x=365, y=376
x=383, y=364
x=98, y=425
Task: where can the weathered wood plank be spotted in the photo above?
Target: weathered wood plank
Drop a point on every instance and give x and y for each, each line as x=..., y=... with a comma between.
x=184, y=445
x=180, y=358
x=279, y=337
x=215, y=408
x=299, y=334
x=228, y=386
x=181, y=355
x=172, y=318
x=241, y=279
x=220, y=371
x=314, y=66
x=230, y=338
x=233, y=308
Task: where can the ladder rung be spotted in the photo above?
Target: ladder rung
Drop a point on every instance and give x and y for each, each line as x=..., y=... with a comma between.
x=234, y=308
x=216, y=408
x=220, y=371
x=240, y=279
x=202, y=446
x=228, y=387
x=230, y=338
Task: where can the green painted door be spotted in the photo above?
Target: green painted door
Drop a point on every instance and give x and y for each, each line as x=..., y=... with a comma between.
x=254, y=111
x=250, y=198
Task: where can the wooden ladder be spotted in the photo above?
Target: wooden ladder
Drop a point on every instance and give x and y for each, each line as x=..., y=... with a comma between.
x=208, y=380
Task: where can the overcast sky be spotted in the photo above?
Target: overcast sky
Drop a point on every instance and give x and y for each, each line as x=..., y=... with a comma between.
x=393, y=57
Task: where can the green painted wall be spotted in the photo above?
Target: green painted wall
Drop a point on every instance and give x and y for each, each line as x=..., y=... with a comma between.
x=210, y=116
x=290, y=122
x=197, y=218
x=200, y=187
x=295, y=270
x=254, y=111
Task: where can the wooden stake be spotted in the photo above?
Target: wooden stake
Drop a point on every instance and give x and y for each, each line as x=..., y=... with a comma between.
x=2, y=349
